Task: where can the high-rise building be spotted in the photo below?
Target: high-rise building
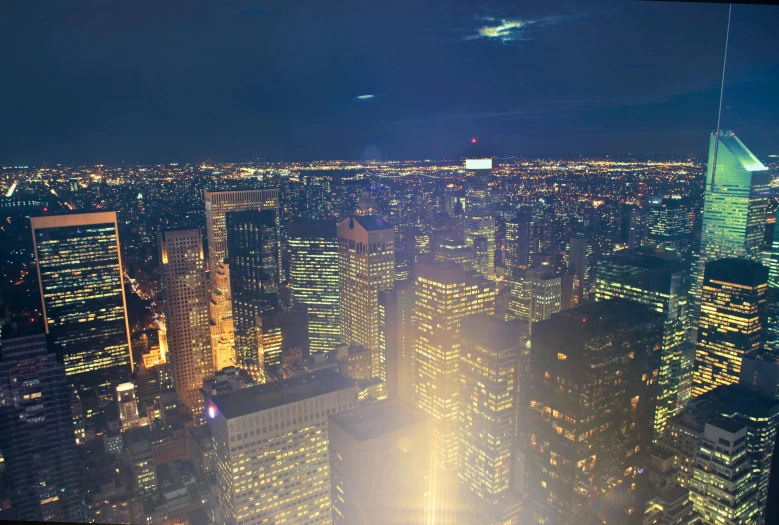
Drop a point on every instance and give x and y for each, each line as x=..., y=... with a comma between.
x=445, y=294
x=217, y=204
x=380, y=463
x=396, y=308
x=127, y=405
x=771, y=334
x=40, y=459
x=82, y=291
x=722, y=486
x=731, y=323
x=279, y=330
x=545, y=293
x=220, y=311
x=461, y=254
x=518, y=241
x=655, y=279
x=313, y=279
x=741, y=407
x=253, y=255
x=489, y=360
x=589, y=399
x=734, y=208
x=671, y=226
x=271, y=444
x=185, y=299
x=581, y=262
x=366, y=266
x=478, y=219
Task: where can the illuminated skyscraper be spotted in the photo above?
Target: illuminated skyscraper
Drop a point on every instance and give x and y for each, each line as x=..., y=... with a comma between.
x=488, y=392
x=731, y=322
x=271, y=444
x=656, y=280
x=221, y=317
x=671, y=225
x=40, y=460
x=479, y=220
x=253, y=255
x=723, y=486
x=461, y=254
x=380, y=464
x=445, y=294
x=588, y=400
x=217, y=203
x=82, y=291
x=772, y=296
x=366, y=266
x=313, y=279
x=734, y=208
x=396, y=308
x=185, y=299
x=581, y=262
x=518, y=248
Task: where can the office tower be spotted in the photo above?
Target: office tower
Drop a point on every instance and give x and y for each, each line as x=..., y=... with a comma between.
x=220, y=311
x=589, y=399
x=217, y=204
x=637, y=227
x=396, y=308
x=671, y=226
x=40, y=459
x=731, y=324
x=740, y=406
x=461, y=254
x=581, y=262
x=545, y=293
x=569, y=284
x=380, y=464
x=722, y=487
x=489, y=359
x=82, y=291
x=313, y=279
x=271, y=444
x=734, y=208
x=366, y=265
x=771, y=332
x=185, y=299
x=518, y=241
x=478, y=219
x=655, y=279
x=253, y=255
x=445, y=294
x=278, y=330
x=127, y=405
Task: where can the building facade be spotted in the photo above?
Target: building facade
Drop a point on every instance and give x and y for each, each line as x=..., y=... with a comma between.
x=185, y=295
x=82, y=292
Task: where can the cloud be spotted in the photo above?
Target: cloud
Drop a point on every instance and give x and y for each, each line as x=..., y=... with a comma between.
x=511, y=29
x=365, y=97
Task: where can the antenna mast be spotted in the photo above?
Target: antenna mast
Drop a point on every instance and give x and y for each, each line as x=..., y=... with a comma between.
x=721, y=93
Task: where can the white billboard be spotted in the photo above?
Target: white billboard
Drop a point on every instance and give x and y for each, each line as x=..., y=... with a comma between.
x=478, y=164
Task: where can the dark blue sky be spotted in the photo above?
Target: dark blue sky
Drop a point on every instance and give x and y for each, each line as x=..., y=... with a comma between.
x=178, y=80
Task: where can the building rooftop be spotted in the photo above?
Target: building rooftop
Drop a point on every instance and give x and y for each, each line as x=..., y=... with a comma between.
x=648, y=259
x=271, y=395
x=602, y=316
x=378, y=419
x=737, y=271
x=312, y=229
x=489, y=331
x=372, y=222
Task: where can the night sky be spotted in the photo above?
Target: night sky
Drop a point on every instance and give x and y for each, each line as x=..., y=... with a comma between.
x=192, y=80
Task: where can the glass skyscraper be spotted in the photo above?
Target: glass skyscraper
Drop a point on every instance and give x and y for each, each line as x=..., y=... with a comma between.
x=253, y=255
x=656, y=280
x=734, y=208
x=731, y=322
x=82, y=290
x=41, y=463
x=479, y=220
x=313, y=279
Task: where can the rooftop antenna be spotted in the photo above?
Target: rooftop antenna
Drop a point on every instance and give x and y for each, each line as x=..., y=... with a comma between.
x=721, y=92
